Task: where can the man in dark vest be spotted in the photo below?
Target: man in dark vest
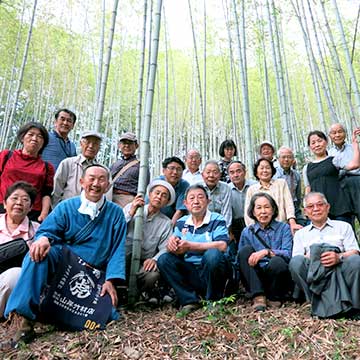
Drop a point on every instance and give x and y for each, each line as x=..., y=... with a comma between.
x=125, y=171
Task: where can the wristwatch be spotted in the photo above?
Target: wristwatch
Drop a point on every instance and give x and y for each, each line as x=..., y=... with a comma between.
x=341, y=258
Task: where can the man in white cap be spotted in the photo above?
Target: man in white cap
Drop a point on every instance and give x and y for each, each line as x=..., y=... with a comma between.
x=68, y=174
x=125, y=171
x=157, y=230
x=267, y=150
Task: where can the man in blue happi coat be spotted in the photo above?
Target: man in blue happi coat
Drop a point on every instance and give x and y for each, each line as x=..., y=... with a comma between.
x=103, y=247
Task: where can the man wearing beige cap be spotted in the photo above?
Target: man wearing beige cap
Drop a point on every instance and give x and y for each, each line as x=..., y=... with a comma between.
x=70, y=170
x=125, y=171
x=157, y=230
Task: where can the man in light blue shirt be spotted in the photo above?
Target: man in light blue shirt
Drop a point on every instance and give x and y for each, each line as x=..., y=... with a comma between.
x=60, y=146
x=195, y=264
x=350, y=179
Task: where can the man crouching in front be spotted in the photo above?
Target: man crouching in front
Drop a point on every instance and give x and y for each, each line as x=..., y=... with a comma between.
x=103, y=247
x=195, y=264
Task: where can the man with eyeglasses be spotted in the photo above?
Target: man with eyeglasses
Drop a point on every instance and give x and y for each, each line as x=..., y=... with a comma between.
x=60, y=146
x=173, y=169
x=193, y=160
x=325, y=262
x=68, y=174
x=292, y=177
x=350, y=179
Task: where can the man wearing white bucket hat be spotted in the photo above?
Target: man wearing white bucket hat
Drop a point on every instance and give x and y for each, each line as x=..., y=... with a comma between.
x=157, y=230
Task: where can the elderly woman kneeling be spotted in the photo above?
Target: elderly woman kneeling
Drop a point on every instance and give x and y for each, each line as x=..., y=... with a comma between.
x=15, y=224
x=264, y=253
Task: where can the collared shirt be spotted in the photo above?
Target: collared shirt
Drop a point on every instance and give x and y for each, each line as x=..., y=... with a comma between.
x=345, y=155
x=279, y=190
x=220, y=203
x=238, y=199
x=157, y=229
x=67, y=178
x=276, y=235
x=180, y=189
x=334, y=232
x=129, y=180
x=292, y=178
x=192, y=178
x=24, y=230
x=213, y=228
x=58, y=149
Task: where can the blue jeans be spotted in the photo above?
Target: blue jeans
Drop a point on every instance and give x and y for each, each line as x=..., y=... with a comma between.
x=192, y=281
x=25, y=298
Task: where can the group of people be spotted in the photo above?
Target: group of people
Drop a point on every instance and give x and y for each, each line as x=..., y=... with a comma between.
x=201, y=226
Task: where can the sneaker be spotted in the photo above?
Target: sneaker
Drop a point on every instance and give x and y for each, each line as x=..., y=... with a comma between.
x=20, y=330
x=259, y=303
x=187, y=309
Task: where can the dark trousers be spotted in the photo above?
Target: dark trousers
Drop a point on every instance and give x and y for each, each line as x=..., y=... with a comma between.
x=272, y=280
x=192, y=281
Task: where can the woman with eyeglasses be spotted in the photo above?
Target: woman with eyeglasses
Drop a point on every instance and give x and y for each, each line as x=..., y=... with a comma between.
x=322, y=174
x=15, y=224
x=26, y=164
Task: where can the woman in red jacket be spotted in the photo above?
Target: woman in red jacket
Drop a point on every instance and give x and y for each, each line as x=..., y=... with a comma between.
x=27, y=165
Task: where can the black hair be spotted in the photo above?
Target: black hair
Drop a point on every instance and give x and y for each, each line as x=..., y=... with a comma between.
x=23, y=185
x=227, y=144
x=195, y=187
x=30, y=125
x=257, y=163
x=318, y=133
x=171, y=159
x=237, y=162
x=96, y=165
x=272, y=202
x=73, y=116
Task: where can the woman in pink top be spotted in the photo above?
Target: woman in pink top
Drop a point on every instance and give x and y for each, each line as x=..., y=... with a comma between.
x=15, y=224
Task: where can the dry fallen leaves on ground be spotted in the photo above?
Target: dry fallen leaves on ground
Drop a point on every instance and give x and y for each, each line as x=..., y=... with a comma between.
x=224, y=332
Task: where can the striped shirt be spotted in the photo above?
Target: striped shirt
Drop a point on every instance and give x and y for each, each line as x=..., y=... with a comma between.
x=213, y=228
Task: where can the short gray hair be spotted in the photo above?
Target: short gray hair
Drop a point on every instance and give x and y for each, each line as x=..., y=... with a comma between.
x=282, y=148
x=314, y=193
x=212, y=162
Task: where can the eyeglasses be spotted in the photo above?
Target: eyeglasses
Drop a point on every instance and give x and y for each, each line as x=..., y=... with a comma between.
x=312, y=206
x=290, y=157
x=179, y=170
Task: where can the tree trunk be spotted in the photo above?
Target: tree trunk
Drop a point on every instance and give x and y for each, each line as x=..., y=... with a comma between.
x=144, y=156
x=240, y=32
x=353, y=80
x=21, y=74
x=100, y=107
x=141, y=75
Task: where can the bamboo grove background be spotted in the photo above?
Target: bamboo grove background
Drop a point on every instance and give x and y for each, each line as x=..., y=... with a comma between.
x=251, y=70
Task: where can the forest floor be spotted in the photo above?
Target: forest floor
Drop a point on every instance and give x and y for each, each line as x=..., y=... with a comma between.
x=231, y=331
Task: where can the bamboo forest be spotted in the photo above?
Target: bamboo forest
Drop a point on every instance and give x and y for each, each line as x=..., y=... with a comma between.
x=143, y=85
x=245, y=70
